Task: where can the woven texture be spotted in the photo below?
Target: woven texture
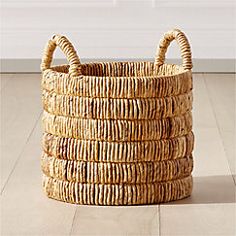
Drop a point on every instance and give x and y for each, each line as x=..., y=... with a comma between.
x=117, y=133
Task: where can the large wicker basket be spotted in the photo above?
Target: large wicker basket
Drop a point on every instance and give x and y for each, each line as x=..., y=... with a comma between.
x=117, y=133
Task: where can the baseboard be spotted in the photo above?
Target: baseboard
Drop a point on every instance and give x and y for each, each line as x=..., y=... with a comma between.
x=200, y=65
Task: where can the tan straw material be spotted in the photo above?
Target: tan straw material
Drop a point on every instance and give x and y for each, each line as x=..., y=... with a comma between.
x=105, y=151
x=116, y=173
x=117, y=133
x=117, y=130
x=117, y=194
x=128, y=109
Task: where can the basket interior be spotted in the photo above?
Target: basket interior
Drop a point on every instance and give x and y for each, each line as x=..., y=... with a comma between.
x=124, y=69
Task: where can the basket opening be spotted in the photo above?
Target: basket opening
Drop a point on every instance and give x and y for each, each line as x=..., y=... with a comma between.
x=124, y=69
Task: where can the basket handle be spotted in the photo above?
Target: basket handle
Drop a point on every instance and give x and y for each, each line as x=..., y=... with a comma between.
x=67, y=48
x=183, y=43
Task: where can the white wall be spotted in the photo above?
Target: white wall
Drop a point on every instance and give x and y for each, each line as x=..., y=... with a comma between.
x=116, y=28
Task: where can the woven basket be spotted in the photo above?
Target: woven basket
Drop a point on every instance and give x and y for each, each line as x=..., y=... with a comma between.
x=117, y=133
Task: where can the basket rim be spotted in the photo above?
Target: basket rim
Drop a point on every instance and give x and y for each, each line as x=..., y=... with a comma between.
x=54, y=70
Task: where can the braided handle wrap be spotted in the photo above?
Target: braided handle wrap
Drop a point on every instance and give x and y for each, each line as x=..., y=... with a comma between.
x=183, y=43
x=67, y=48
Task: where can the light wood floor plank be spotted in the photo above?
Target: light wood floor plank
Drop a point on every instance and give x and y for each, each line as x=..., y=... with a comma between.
x=209, y=155
x=20, y=109
x=221, y=89
x=213, y=190
x=25, y=208
x=4, y=79
x=198, y=220
x=134, y=220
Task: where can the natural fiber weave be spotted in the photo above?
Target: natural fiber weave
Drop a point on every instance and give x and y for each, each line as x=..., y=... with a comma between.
x=117, y=130
x=117, y=194
x=116, y=173
x=128, y=109
x=117, y=133
x=146, y=85
x=104, y=151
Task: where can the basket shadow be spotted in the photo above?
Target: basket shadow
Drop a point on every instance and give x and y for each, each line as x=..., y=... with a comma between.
x=210, y=189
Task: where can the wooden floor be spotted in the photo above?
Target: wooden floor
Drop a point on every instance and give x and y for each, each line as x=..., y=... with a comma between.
x=209, y=211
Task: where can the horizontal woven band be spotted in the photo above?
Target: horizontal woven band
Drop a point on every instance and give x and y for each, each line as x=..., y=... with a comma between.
x=117, y=194
x=116, y=173
x=118, y=87
x=106, y=108
x=86, y=150
x=117, y=130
